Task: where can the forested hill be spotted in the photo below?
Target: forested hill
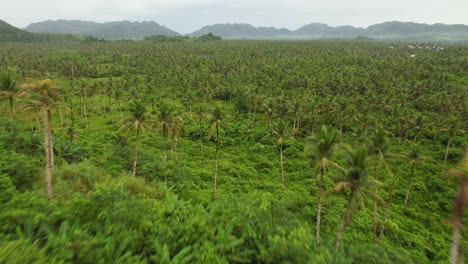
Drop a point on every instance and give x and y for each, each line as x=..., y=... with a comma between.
x=110, y=30
x=387, y=30
x=9, y=33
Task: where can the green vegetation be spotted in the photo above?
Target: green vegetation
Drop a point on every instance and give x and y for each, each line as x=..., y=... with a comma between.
x=232, y=152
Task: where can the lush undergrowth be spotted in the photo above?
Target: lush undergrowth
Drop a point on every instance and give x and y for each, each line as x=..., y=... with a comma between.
x=252, y=101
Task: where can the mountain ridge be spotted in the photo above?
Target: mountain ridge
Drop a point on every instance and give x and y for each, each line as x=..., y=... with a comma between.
x=385, y=30
x=138, y=30
x=109, y=30
x=9, y=33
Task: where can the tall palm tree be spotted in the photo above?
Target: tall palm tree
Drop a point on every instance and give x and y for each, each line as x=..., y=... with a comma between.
x=177, y=125
x=319, y=148
x=138, y=122
x=414, y=157
x=280, y=131
x=377, y=150
x=9, y=90
x=216, y=117
x=452, y=129
x=201, y=115
x=43, y=93
x=461, y=201
x=360, y=186
x=269, y=110
x=164, y=119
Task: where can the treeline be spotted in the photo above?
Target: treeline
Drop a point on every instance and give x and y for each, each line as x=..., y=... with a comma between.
x=203, y=38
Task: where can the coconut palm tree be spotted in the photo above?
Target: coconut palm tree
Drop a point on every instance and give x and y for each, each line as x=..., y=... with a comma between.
x=138, y=122
x=461, y=201
x=360, y=186
x=414, y=157
x=377, y=150
x=319, y=148
x=280, y=131
x=269, y=110
x=43, y=93
x=164, y=118
x=452, y=129
x=177, y=125
x=9, y=90
x=216, y=117
x=201, y=115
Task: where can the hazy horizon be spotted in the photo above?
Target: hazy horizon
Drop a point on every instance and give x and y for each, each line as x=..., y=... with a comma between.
x=186, y=16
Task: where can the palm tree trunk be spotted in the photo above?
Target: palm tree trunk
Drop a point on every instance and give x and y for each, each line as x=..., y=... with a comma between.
x=341, y=128
x=120, y=110
x=271, y=125
x=282, y=166
x=136, y=152
x=60, y=116
x=37, y=119
x=164, y=142
x=12, y=112
x=201, y=134
x=455, y=242
x=216, y=160
x=343, y=225
x=253, y=116
x=294, y=127
x=48, y=166
x=51, y=149
x=409, y=185
x=319, y=208
x=446, y=152
x=387, y=208
x=375, y=203
x=51, y=143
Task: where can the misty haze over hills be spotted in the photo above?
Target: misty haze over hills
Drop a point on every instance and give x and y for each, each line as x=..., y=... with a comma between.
x=109, y=30
x=138, y=30
x=387, y=30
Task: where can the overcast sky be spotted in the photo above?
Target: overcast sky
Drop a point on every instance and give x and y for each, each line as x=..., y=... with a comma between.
x=185, y=16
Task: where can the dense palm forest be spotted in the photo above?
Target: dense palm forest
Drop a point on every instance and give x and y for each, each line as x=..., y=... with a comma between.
x=233, y=152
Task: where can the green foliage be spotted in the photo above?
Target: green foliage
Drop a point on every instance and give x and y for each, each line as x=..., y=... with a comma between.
x=7, y=189
x=252, y=95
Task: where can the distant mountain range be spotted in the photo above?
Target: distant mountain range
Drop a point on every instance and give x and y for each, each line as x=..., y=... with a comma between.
x=110, y=30
x=9, y=33
x=387, y=30
x=138, y=30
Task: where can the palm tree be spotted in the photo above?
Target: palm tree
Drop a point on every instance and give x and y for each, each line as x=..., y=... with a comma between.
x=356, y=181
x=42, y=94
x=216, y=117
x=414, y=156
x=9, y=90
x=270, y=106
x=319, y=148
x=452, y=129
x=280, y=131
x=164, y=118
x=139, y=123
x=201, y=115
x=377, y=150
x=460, y=202
x=177, y=125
